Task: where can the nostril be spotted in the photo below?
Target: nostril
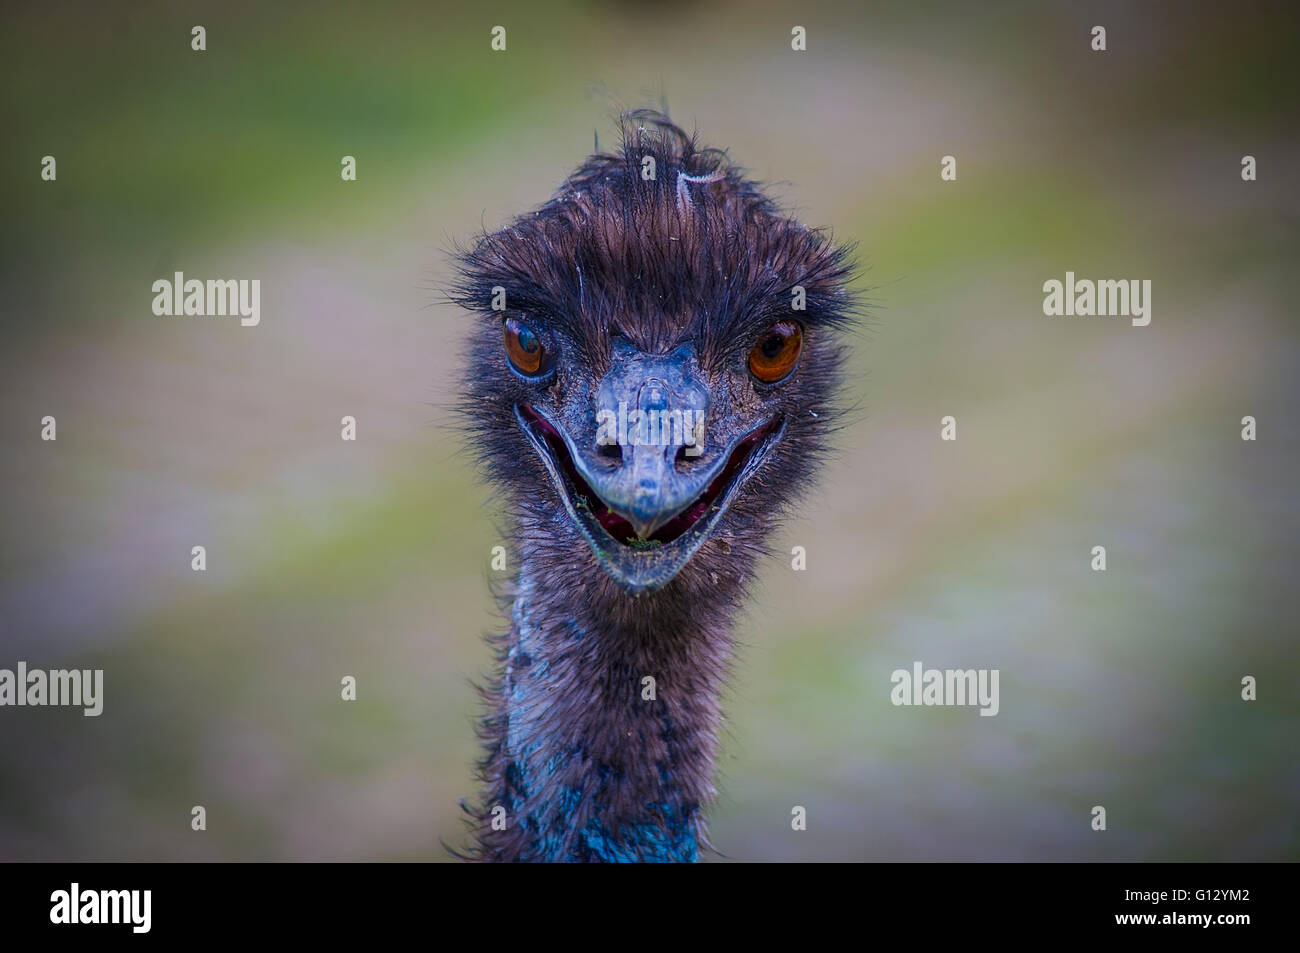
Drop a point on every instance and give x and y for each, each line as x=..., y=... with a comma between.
x=611, y=451
x=685, y=458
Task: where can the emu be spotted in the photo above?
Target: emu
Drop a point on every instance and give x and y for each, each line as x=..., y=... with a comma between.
x=661, y=278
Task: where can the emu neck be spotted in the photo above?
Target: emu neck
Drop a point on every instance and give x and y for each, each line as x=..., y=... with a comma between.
x=593, y=760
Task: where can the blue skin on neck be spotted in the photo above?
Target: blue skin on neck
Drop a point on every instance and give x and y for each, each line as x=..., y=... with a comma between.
x=533, y=761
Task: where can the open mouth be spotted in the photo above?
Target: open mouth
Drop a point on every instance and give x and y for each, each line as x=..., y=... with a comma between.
x=612, y=536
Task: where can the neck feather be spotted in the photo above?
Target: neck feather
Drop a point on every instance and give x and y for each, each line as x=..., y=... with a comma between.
x=603, y=718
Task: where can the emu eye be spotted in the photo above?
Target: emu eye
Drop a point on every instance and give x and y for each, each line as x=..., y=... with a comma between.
x=777, y=352
x=524, y=348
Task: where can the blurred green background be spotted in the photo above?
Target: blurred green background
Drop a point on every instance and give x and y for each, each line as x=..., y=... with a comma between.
x=328, y=558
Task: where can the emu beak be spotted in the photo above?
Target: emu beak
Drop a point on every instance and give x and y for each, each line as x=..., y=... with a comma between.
x=646, y=496
x=653, y=410
x=653, y=493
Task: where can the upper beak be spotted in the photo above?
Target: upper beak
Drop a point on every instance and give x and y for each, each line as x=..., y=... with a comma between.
x=649, y=488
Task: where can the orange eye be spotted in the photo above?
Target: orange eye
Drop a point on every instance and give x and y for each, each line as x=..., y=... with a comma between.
x=523, y=347
x=777, y=352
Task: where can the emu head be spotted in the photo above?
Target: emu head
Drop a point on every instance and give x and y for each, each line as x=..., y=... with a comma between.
x=654, y=369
